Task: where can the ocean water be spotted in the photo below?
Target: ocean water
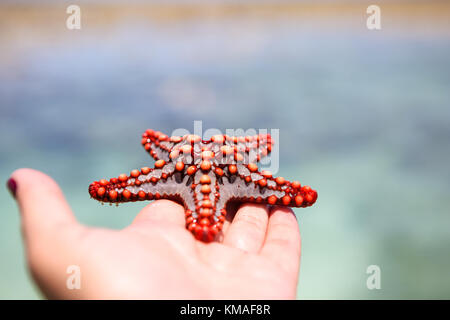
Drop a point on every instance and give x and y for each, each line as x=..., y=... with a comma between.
x=364, y=117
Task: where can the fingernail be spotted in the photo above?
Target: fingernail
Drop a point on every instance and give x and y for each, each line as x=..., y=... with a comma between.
x=12, y=186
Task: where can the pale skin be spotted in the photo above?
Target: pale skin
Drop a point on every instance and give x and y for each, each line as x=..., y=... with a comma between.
x=155, y=257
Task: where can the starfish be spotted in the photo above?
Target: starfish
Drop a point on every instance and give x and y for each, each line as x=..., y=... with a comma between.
x=204, y=175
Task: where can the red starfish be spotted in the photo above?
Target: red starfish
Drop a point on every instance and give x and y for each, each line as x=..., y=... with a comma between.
x=204, y=176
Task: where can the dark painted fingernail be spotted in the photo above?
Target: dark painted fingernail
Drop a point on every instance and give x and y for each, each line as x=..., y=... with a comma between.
x=12, y=186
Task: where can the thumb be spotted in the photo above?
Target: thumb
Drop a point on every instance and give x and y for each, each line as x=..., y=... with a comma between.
x=41, y=203
x=49, y=228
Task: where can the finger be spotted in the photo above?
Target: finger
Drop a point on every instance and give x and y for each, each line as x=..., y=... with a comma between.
x=42, y=205
x=231, y=208
x=248, y=228
x=50, y=230
x=282, y=243
x=162, y=211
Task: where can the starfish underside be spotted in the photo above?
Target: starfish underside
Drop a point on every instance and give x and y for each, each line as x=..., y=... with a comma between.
x=204, y=176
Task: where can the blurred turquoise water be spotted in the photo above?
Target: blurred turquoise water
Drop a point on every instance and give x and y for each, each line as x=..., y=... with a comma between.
x=364, y=117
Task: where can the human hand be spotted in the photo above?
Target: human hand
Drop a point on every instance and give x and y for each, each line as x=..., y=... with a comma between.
x=155, y=257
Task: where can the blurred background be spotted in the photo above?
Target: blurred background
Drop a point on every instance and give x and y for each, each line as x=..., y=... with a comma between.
x=364, y=118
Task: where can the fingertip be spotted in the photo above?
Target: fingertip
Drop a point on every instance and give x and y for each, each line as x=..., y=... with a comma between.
x=11, y=184
x=26, y=180
x=283, y=224
x=248, y=228
x=41, y=201
x=286, y=214
x=24, y=173
x=283, y=241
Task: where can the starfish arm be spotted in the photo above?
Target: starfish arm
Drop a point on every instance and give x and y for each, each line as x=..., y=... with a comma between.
x=257, y=147
x=161, y=182
x=246, y=183
x=206, y=221
x=248, y=149
x=158, y=144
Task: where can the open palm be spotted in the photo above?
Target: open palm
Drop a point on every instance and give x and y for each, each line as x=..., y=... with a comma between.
x=155, y=257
